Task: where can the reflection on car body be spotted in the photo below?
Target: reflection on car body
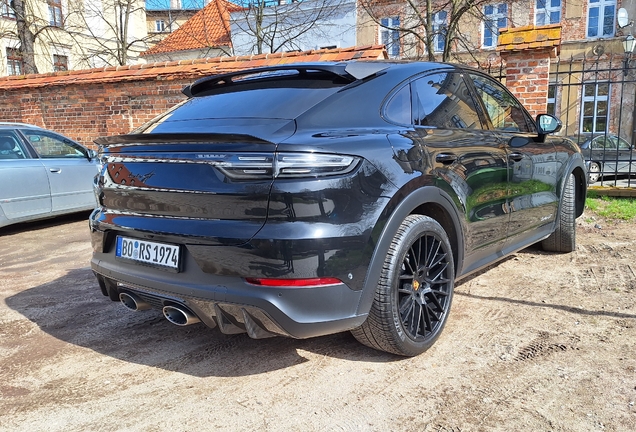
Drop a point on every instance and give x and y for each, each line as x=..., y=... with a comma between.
x=309, y=199
x=43, y=174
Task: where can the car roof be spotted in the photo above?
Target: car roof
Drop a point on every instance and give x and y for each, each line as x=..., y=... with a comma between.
x=12, y=125
x=350, y=70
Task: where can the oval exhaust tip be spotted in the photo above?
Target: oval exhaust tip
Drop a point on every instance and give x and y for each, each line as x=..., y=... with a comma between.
x=132, y=302
x=179, y=316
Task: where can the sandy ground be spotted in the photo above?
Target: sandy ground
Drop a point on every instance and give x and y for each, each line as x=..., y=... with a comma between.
x=539, y=342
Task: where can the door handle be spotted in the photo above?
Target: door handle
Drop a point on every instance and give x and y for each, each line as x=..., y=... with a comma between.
x=446, y=158
x=515, y=156
x=55, y=170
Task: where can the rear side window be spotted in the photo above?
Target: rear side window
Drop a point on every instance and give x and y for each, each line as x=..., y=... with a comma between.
x=398, y=109
x=10, y=147
x=442, y=100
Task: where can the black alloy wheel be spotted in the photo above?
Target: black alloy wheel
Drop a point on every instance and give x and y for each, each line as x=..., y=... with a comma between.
x=414, y=293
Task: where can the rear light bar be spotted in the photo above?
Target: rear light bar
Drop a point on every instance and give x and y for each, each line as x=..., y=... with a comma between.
x=294, y=283
x=286, y=165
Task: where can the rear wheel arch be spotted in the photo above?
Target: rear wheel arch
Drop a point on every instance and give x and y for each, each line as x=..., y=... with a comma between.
x=426, y=201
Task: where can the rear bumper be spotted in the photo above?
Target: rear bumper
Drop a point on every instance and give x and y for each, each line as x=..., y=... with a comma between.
x=232, y=304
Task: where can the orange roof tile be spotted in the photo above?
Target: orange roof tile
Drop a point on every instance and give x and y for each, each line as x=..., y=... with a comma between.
x=188, y=69
x=529, y=37
x=210, y=27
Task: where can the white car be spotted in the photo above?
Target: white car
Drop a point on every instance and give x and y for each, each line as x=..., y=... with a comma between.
x=43, y=174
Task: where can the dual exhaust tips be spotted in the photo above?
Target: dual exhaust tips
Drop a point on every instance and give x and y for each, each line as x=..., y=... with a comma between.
x=176, y=314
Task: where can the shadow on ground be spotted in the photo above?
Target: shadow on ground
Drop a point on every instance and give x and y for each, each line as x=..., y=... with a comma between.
x=73, y=309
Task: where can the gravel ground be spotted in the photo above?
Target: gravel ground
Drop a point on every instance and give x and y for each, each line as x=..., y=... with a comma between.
x=538, y=342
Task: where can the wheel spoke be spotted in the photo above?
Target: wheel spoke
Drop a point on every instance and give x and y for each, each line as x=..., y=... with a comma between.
x=433, y=255
x=435, y=279
x=405, y=308
x=434, y=313
x=407, y=261
x=415, y=319
x=427, y=319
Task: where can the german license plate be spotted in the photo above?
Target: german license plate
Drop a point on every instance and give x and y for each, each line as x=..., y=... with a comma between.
x=153, y=253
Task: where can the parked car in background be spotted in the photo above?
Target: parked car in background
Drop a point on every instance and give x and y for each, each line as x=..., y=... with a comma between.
x=308, y=199
x=43, y=174
x=607, y=155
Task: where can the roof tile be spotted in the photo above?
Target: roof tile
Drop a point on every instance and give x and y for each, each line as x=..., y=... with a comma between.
x=210, y=27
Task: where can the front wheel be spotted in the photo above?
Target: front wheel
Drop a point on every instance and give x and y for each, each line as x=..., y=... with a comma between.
x=415, y=290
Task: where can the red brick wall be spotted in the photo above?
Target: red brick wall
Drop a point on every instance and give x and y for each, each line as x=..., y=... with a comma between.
x=91, y=110
x=527, y=77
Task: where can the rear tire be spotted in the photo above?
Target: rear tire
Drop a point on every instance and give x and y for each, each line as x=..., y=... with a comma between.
x=415, y=290
x=563, y=239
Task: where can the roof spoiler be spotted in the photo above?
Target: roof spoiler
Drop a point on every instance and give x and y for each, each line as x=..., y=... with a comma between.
x=349, y=70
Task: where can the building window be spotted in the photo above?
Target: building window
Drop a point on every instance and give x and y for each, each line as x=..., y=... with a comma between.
x=6, y=11
x=15, y=65
x=595, y=108
x=55, y=13
x=600, y=18
x=160, y=26
x=60, y=63
x=390, y=35
x=495, y=17
x=547, y=12
x=552, y=98
x=439, y=30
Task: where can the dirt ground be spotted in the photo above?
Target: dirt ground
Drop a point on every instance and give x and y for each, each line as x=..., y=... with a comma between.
x=539, y=342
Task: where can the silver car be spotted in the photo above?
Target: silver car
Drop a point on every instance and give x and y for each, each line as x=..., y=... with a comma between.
x=43, y=174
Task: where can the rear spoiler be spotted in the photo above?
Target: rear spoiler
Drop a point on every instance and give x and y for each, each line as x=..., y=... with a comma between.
x=176, y=138
x=349, y=70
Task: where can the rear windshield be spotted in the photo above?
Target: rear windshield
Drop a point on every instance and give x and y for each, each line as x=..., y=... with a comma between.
x=284, y=97
x=282, y=103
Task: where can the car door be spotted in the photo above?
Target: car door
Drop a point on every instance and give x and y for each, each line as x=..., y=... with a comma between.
x=25, y=191
x=468, y=159
x=625, y=158
x=532, y=198
x=69, y=168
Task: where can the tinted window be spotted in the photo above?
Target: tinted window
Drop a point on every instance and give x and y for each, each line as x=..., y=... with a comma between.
x=504, y=110
x=399, y=107
x=281, y=97
x=443, y=100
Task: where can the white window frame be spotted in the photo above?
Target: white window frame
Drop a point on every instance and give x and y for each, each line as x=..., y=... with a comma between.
x=493, y=18
x=439, y=30
x=389, y=35
x=160, y=26
x=546, y=11
x=602, y=6
x=596, y=98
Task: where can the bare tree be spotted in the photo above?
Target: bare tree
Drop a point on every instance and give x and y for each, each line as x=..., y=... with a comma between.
x=108, y=31
x=288, y=25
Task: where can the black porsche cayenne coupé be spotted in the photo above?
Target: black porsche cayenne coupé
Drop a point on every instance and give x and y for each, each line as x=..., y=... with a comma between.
x=308, y=199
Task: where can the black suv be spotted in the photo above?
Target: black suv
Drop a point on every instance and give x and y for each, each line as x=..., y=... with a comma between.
x=308, y=199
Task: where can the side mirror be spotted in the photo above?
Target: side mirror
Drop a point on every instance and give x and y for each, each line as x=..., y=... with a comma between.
x=91, y=154
x=547, y=124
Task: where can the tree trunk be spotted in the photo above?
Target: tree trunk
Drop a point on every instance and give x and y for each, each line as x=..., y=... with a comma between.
x=26, y=37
